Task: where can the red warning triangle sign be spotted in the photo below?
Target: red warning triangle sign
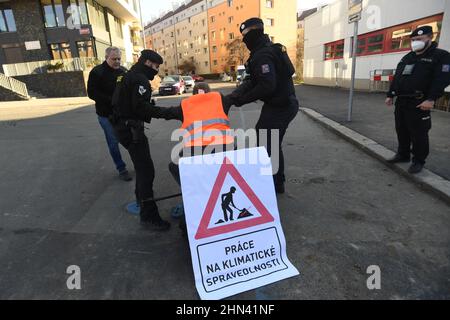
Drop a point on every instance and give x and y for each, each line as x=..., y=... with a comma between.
x=228, y=168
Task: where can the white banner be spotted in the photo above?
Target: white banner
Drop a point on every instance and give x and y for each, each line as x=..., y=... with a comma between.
x=235, y=236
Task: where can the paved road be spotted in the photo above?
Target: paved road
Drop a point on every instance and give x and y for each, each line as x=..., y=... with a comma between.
x=62, y=204
x=373, y=119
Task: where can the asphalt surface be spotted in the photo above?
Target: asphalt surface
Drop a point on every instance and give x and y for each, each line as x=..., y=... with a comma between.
x=62, y=204
x=373, y=119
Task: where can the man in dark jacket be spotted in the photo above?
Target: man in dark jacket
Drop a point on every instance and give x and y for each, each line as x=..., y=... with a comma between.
x=131, y=108
x=420, y=79
x=101, y=85
x=271, y=81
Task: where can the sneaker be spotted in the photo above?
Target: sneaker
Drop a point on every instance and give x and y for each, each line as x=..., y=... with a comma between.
x=415, y=168
x=398, y=159
x=156, y=225
x=125, y=176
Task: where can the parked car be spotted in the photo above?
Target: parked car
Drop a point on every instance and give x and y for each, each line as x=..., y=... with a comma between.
x=198, y=78
x=241, y=78
x=172, y=84
x=225, y=77
x=189, y=81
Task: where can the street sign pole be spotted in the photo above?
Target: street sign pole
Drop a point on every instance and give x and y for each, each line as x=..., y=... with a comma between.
x=352, y=86
x=354, y=15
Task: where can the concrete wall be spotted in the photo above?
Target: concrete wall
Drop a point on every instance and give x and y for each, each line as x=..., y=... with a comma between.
x=331, y=23
x=58, y=84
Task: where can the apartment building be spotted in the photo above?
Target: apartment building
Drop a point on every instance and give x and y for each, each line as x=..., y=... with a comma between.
x=35, y=30
x=202, y=31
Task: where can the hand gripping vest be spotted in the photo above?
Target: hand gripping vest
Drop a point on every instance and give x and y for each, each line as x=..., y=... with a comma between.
x=205, y=121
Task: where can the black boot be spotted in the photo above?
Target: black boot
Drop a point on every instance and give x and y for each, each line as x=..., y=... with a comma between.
x=150, y=218
x=416, y=167
x=398, y=158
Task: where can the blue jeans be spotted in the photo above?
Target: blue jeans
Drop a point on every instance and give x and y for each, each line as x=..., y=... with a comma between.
x=113, y=144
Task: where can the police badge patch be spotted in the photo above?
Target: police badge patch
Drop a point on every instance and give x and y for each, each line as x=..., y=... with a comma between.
x=142, y=90
x=265, y=68
x=446, y=68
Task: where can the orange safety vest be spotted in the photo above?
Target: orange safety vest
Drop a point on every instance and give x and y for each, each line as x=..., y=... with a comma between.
x=205, y=121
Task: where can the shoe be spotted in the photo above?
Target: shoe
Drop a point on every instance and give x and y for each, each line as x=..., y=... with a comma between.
x=398, y=159
x=125, y=176
x=156, y=225
x=279, y=188
x=415, y=168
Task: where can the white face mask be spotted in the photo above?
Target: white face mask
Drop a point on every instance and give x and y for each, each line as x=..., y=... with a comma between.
x=418, y=45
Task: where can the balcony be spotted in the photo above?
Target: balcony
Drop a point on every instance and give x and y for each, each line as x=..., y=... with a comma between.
x=122, y=9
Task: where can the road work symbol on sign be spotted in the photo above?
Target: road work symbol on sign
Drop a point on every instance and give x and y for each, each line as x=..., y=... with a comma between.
x=233, y=224
x=223, y=211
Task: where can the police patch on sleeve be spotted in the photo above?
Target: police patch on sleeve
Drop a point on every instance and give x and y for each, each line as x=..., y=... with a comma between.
x=446, y=68
x=265, y=68
x=142, y=90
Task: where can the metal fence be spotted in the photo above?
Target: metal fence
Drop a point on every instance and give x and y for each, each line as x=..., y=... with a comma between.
x=13, y=85
x=35, y=67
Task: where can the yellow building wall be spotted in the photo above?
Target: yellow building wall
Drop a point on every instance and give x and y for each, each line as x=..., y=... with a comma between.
x=284, y=29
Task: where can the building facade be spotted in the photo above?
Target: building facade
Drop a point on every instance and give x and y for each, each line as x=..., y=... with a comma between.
x=35, y=30
x=206, y=32
x=383, y=39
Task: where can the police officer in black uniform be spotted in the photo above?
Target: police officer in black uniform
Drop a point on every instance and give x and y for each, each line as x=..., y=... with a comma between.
x=420, y=79
x=131, y=108
x=271, y=81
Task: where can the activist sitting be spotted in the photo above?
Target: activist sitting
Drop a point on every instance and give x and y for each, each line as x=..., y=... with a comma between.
x=204, y=118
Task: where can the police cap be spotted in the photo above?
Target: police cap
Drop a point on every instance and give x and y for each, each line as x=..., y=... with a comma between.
x=421, y=31
x=252, y=22
x=151, y=55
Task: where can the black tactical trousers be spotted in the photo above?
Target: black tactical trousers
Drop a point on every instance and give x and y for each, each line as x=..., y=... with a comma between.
x=276, y=118
x=412, y=126
x=145, y=171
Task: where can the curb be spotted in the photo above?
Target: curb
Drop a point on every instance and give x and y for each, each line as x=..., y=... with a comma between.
x=425, y=179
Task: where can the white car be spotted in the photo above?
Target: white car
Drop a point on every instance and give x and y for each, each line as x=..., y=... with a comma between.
x=189, y=82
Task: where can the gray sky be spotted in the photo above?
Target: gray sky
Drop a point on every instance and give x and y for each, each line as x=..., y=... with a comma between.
x=151, y=9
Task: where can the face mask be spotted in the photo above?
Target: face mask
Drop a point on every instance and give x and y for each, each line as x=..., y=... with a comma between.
x=418, y=45
x=150, y=72
x=252, y=37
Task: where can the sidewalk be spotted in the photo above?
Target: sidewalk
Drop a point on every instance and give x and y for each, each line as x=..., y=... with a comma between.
x=373, y=119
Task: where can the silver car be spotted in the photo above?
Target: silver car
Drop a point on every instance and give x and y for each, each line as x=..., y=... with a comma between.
x=189, y=82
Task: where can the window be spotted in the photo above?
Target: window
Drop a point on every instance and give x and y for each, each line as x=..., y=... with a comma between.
x=79, y=11
x=395, y=39
x=215, y=62
x=269, y=22
x=203, y=22
x=85, y=49
x=190, y=33
x=7, y=22
x=61, y=50
x=118, y=27
x=204, y=36
x=205, y=50
x=192, y=46
x=231, y=36
x=98, y=17
x=206, y=63
x=213, y=19
x=189, y=20
x=269, y=4
x=53, y=13
x=334, y=50
x=213, y=35
x=214, y=49
x=230, y=3
x=230, y=19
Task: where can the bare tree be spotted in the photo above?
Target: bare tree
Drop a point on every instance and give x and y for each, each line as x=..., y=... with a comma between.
x=188, y=66
x=237, y=52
